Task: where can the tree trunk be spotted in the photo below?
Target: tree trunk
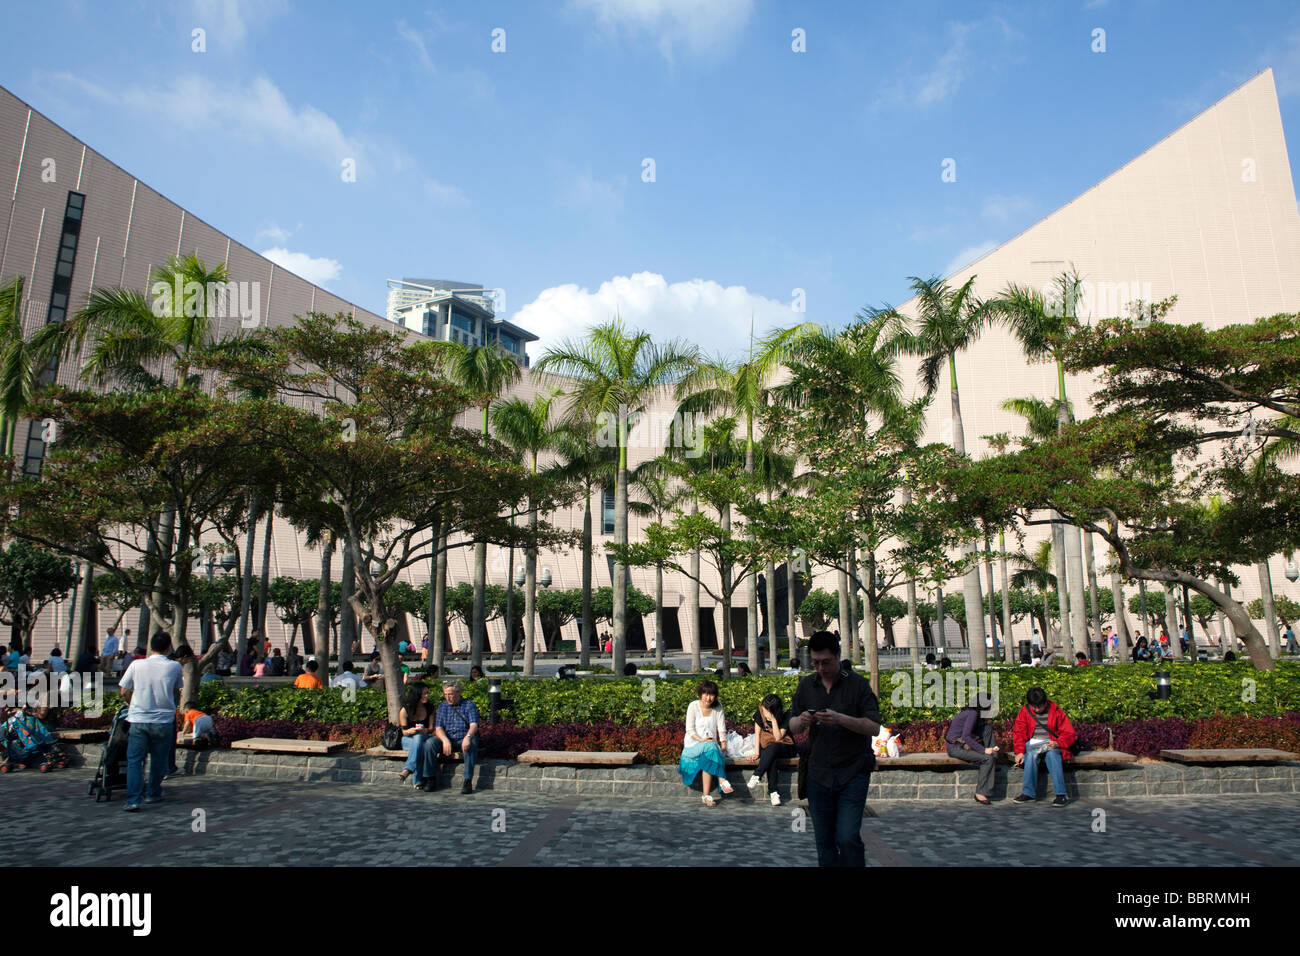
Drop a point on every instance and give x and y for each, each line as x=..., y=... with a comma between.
x=166, y=540
x=620, y=538
x=913, y=637
x=790, y=610
x=1066, y=638
x=845, y=622
x=1230, y=631
x=1171, y=622
x=726, y=626
x=323, y=614
x=1008, y=652
x=1074, y=586
x=873, y=608
x=1146, y=616
x=1093, y=600
x=588, y=618
x=1270, y=614
x=659, y=615
x=438, y=626
x=970, y=582
x=751, y=622
x=1121, y=620
x=769, y=597
x=855, y=641
x=266, y=574
x=724, y=574
x=993, y=613
x=84, y=636
x=530, y=600
x=941, y=632
x=510, y=604
x=348, y=633
x=478, y=620
x=693, y=599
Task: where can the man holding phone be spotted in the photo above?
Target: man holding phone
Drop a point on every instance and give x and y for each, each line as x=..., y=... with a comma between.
x=842, y=714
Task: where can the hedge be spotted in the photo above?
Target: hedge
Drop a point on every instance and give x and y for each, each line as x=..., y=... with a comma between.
x=1097, y=694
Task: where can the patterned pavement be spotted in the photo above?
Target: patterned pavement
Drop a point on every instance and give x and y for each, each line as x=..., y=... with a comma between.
x=223, y=821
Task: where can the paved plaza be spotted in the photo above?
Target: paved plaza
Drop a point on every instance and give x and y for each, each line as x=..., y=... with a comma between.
x=223, y=821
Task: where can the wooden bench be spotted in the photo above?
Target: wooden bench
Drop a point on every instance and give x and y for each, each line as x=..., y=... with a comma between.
x=1100, y=758
x=579, y=758
x=920, y=761
x=313, y=748
x=87, y=735
x=402, y=754
x=1229, y=755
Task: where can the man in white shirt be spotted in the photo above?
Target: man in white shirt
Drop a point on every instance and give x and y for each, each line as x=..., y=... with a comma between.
x=152, y=688
x=348, y=678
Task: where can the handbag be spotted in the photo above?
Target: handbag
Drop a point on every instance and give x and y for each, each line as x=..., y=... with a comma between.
x=392, y=737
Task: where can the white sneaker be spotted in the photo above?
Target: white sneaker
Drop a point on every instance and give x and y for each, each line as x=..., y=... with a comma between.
x=754, y=781
x=775, y=799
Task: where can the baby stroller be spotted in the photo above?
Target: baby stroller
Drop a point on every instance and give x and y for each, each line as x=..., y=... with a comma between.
x=28, y=744
x=111, y=771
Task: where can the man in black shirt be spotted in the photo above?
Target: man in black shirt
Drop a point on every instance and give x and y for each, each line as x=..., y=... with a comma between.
x=843, y=715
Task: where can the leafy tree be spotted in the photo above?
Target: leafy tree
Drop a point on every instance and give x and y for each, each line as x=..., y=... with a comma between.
x=1288, y=611
x=31, y=578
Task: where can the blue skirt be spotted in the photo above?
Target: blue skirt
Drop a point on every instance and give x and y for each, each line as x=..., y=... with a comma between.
x=706, y=756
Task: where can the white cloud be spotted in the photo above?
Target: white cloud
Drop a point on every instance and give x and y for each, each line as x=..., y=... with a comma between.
x=275, y=233
x=412, y=36
x=968, y=255
x=444, y=195
x=1002, y=208
x=928, y=86
x=229, y=19
x=701, y=311
x=700, y=28
x=316, y=271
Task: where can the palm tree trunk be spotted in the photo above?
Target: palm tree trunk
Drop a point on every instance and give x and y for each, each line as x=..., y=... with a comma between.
x=1270, y=613
x=855, y=641
x=751, y=615
x=588, y=618
x=620, y=538
x=85, y=602
x=1007, y=651
x=659, y=615
x=1171, y=621
x=769, y=596
x=993, y=614
x=478, y=620
x=970, y=583
x=1074, y=585
x=913, y=637
x=323, y=614
x=510, y=604
x=1058, y=552
x=530, y=599
x=846, y=622
x=873, y=609
x=1146, y=617
x=693, y=598
x=438, y=624
x=790, y=609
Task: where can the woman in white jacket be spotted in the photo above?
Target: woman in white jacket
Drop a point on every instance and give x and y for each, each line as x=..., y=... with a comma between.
x=705, y=746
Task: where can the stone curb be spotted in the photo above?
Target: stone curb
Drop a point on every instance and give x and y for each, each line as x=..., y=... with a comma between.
x=1131, y=780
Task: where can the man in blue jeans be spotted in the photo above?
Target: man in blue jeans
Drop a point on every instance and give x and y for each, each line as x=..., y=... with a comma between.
x=457, y=729
x=842, y=714
x=152, y=688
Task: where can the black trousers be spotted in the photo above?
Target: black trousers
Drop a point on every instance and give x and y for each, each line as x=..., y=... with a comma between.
x=767, y=759
x=988, y=763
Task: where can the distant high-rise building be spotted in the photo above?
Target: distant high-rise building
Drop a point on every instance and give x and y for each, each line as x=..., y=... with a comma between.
x=455, y=312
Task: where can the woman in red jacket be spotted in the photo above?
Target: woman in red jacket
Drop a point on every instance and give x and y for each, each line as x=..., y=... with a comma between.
x=1042, y=730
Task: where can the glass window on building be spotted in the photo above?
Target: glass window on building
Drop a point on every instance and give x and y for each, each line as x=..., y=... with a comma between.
x=607, y=510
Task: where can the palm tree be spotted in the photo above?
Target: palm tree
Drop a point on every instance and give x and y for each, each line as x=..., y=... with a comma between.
x=776, y=471
x=483, y=372
x=617, y=371
x=950, y=320
x=526, y=428
x=593, y=466
x=1043, y=326
x=742, y=389
x=659, y=493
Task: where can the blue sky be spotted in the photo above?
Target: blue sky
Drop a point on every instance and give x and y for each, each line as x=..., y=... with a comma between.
x=524, y=169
